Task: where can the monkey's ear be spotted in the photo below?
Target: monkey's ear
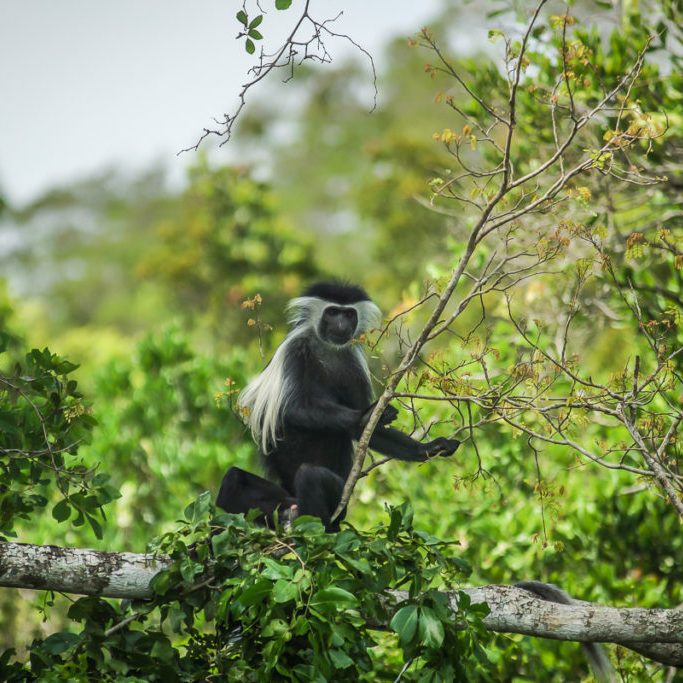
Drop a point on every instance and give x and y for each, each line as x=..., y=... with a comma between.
x=303, y=310
x=369, y=316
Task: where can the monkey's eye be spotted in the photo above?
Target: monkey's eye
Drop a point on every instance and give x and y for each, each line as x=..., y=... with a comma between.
x=339, y=322
x=332, y=312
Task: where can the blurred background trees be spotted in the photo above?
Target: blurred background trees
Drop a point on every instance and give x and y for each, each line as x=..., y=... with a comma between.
x=169, y=299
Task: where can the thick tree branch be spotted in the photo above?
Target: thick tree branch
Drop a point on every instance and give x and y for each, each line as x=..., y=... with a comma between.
x=76, y=570
x=655, y=633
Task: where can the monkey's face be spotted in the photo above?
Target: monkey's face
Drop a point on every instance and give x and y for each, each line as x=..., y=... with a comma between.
x=338, y=324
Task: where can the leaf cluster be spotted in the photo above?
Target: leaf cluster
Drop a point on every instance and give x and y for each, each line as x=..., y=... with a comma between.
x=44, y=420
x=242, y=603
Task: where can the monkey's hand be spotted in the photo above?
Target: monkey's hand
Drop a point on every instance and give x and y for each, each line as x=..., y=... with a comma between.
x=389, y=414
x=441, y=446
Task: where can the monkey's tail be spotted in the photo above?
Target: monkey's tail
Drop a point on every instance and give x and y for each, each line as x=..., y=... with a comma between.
x=595, y=654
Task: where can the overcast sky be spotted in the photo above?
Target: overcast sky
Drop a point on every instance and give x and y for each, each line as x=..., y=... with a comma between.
x=87, y=84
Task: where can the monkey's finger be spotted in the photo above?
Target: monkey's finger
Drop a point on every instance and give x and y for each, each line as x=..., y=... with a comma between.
x=389, y=415
x=443, y=447
x=451, y=447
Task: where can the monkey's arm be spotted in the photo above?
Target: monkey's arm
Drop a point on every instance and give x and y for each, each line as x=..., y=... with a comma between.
x=396, y=444
x=314, y=407
x=322, y=412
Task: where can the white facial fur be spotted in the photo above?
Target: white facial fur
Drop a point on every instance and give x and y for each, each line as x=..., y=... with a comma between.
x=308, y=310
x=266, y=396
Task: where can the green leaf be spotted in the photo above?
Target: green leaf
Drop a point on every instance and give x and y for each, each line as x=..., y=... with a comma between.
x=189, y=569
x=283, y=4
x=95, y=526
x=242, y=17
x=176, y=618
x=59, y=642
x=404, y=623
x=430, y=628
x=64, y=367
x=222, y=543
x=361, y=564
x=198, y=508
x=225, y=600
x=256, y=22
x=91, y=608
x=308, y=525
x=333, y=598
x=249, y=46
x=61, y=511
x=160, y=582
x=284, y=591
x=340, y=660
x=275, y=628
x=275, y=570
x=163, y=650
x=253, y=33
x=394, y=524
x=255, y=594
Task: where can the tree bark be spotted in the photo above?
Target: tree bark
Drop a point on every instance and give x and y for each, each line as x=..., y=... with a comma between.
x=655, y=633
x=74, y=570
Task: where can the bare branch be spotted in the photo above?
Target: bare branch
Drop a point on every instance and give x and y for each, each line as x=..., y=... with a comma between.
x=305, y=42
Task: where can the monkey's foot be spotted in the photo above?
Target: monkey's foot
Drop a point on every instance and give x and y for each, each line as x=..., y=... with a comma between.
x=288, y=515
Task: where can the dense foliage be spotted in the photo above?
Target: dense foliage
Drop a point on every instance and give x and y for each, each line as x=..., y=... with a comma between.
x=299, y=605
x=44, y=421
x=560, y=374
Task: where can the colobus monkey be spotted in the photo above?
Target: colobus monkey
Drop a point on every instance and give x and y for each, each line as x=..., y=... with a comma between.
x=308, y=406
x=595, y=654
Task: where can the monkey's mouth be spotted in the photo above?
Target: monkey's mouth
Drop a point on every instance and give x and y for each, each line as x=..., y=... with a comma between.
x=340, y=339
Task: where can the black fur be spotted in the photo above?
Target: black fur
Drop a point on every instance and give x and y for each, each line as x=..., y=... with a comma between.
x=327, y=409
x=337, y=292
x=242, y=491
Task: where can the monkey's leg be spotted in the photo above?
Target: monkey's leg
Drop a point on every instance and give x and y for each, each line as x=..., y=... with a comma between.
x=242, y=491
x=318, y=492
x=396, y=444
